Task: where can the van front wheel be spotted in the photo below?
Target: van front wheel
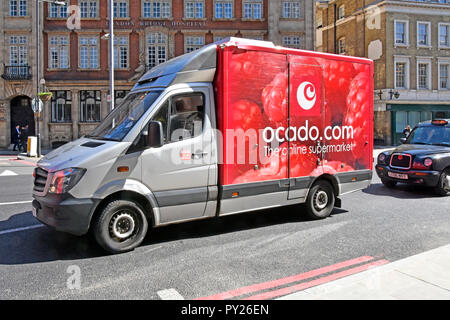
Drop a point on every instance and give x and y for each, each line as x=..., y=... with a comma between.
x=320, y=200
x=121, y=226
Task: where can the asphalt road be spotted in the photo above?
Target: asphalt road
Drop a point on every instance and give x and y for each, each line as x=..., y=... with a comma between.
x=209, y=257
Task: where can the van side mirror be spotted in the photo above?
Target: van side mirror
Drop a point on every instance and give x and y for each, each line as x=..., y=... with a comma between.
x=403, y=140
x=154, y=138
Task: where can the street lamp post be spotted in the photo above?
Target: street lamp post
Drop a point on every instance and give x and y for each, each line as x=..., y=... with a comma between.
x=38, y=114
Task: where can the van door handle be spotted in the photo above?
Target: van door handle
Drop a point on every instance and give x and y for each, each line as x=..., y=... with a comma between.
x=199, y=155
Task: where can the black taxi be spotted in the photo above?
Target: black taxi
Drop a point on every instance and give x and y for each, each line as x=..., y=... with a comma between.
x=422, y=159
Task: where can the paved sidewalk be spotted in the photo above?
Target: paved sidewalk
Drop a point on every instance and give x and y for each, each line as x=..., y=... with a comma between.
x=425, y=276
x=23, y=155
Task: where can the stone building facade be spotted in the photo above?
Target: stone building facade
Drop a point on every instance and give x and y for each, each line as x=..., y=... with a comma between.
x=18, y=64
x=75, y=55
x=291, y=23
x=409, y=42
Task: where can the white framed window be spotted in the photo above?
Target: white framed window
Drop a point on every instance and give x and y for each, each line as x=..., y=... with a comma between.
x=156, y=9
x=88, y=9
x=57, y=11
x=120, y=9
x=401, y=32
x=423, y=74
x=156, y=49
x=444, y=70
x=88, y=52
x=401, y=72
x=194, y=9
x=18, y=8
x=444, y=35
x=223, y=9
x=292, y=41
x=193, y=43
x=291, y=9
x=121, y=52
x=423, y=34
x=252, y=9
x=58, y=52
x=341, y=46
x=341, y=12
x=444, y=73
x=400, y=75
x=18, y=50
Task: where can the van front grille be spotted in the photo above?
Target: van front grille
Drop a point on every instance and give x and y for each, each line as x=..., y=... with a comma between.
x=40, y=179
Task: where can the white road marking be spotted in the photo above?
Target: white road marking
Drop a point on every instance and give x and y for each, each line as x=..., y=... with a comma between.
x=170, y=294
x=16, y=202
x=8, y=173
x=21, y=229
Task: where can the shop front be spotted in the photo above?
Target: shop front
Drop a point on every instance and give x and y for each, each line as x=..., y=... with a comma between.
x=411, y=114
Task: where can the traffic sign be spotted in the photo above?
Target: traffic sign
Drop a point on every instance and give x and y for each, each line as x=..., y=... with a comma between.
x=37, y=107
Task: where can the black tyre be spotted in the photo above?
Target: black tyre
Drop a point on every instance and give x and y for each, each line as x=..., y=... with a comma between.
x=121, y=226
x=443, y=187
x=320, y=201
x=389, y=183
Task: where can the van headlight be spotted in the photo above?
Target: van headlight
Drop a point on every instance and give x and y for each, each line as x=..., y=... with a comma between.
x=66, y=179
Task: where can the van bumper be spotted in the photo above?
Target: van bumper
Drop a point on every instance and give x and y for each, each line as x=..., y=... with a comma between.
x=64, y=212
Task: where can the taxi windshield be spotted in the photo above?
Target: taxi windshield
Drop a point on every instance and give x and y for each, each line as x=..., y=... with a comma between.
x=432, y=135
x=120, y=121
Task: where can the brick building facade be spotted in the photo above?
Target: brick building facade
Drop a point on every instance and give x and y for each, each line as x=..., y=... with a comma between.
x=74, y=61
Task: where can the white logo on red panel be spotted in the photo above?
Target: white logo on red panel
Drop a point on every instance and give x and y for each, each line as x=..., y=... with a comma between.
x=306, y=95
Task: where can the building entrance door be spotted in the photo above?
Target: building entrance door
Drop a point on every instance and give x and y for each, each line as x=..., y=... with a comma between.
x=21, y=114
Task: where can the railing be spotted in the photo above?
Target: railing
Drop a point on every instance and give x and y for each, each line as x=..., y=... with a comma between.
x=16, y=72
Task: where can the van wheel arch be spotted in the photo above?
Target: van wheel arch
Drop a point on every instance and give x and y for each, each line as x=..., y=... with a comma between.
x=329, y=178
x=125, y=195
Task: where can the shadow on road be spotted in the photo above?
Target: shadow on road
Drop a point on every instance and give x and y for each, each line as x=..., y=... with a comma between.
x=40, y=244
x=44, y=244
x=401, y=191
x=233, y=223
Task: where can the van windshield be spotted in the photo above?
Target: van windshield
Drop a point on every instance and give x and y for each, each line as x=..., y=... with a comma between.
x=120, y=121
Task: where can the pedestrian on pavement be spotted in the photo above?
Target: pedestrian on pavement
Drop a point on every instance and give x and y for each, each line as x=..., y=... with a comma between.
x=24, y=138
x=16, y=138
x=407, y=131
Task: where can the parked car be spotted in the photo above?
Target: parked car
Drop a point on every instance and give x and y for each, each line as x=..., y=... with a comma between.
x=422, y=159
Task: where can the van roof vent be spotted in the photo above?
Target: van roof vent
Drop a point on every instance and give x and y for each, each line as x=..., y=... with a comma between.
x=91, y=144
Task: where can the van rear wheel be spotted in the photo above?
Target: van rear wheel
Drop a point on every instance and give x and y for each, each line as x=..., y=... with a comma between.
x=121, y=226
x=320, y=200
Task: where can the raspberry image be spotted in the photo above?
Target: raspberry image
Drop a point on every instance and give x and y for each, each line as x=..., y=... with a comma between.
x=359, y=67
x=301, y=164
x=274, y=96
x=246, y=115
x=357, y=116
x=337, y=77
x=251, y=71
x=274, y=99
x=246, y=119
x=276, y=163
